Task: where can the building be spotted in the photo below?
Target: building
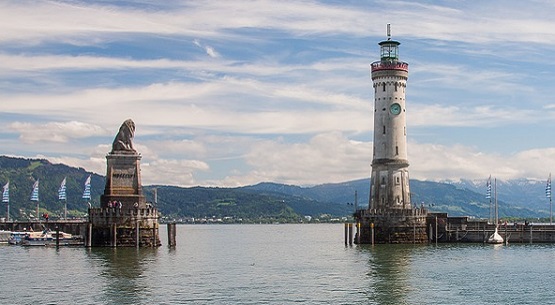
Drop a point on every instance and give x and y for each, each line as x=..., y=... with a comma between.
x=390, y=217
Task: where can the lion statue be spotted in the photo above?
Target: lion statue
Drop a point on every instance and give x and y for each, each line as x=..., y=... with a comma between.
x=124, y=138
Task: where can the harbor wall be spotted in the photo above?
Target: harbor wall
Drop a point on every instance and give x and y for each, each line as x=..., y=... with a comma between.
x=442, y=228
x=74, y=227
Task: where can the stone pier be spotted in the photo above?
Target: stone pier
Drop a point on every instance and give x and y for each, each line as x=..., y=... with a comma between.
x=124, y=217
x=391, y=226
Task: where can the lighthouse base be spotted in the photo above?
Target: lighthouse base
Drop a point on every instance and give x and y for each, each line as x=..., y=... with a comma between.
x=391, y=226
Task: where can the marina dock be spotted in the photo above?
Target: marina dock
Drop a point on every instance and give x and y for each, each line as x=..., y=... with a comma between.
x=442, y=228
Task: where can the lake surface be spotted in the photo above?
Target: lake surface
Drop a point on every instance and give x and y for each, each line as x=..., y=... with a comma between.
x=278, y=264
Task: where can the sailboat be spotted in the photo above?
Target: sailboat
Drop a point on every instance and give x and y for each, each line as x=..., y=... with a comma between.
x=495, y=238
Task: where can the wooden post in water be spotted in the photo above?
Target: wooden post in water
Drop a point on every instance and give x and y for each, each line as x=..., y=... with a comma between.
x=372, y=231
x=89, y=235
x=436, y=232
x=57, y=237
x=350, y=234
x=346, y=233
x=506, y=239
x=171, y=234
x=137, y=232
x=114, y=235
x=414, y=232
x=358, y=233
x=530, y=232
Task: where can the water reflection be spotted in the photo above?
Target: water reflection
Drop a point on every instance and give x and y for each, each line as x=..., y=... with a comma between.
x=389, y=273
x=123, y=272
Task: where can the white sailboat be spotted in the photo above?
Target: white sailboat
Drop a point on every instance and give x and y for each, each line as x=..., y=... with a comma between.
x=495, y=238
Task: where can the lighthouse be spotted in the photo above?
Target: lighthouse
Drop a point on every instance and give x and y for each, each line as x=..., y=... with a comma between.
x=390, y=217
x=390, y=174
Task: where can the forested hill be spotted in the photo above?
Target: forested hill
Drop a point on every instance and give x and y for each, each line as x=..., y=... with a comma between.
x=22, y=174
x=261, y=202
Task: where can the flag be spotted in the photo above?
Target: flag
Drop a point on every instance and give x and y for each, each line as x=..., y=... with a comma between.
x=488, y=190
x=62, y=190
x=548, y=187
x=35, y=193
x=87, y=191
x=6, y=193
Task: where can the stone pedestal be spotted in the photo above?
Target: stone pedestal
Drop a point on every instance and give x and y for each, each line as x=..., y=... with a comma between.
x=391, y=226
x=124, y=217
x=123, y=182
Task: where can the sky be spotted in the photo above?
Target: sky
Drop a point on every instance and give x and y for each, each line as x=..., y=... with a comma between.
x=232, y=93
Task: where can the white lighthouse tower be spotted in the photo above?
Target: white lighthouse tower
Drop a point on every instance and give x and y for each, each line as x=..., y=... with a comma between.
x=390, y=175
x=390, y=217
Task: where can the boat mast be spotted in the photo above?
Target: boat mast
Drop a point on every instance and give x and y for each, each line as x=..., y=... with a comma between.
x=548, y=194
x=495, y=194
x=488, y=196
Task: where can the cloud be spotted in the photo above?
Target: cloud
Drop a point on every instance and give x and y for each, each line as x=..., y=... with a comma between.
x=200, y=106
x=96, y=163
x=172, y=172
x=60, y=132
x=79, y=22
x=436, y=115
x=181, y=147
x=235, y=92
x=440, y=162
x=327, y=157
x=210, y=51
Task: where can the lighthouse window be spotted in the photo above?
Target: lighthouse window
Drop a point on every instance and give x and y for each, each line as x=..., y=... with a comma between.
x=384, y=129
x=383, y=87
x=397, y=152
x=395, y=87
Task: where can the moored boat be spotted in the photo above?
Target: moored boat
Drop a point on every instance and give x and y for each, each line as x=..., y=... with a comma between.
x=4, y=236
x=16, y=237
x=495, y=238
x=49, y=238
x=39, y=238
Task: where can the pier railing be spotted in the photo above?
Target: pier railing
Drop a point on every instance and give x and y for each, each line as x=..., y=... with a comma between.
x=116, y=212
x=394, y=65
x=416, y=212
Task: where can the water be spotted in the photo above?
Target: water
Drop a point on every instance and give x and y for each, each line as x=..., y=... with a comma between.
x=278, y=264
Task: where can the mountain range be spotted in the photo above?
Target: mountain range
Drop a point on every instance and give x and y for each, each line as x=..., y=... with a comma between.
x=520, y=198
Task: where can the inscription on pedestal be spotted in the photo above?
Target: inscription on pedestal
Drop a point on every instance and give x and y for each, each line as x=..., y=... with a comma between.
x=123, y=181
